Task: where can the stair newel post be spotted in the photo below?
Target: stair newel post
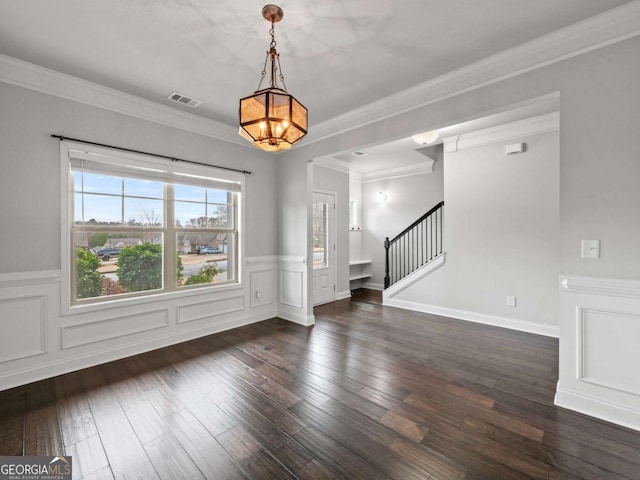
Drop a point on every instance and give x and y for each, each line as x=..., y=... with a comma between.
x=387, y=279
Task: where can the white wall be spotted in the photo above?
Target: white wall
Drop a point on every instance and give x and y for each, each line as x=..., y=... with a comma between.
x=355, y=236
x=294, y=204
x=501, y=231
x=38, y=340
x=408, y=199
x=334, y=181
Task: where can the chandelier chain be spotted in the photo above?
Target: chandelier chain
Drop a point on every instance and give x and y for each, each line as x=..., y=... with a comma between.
x=284, y=85
x=272, y=32
x=276, y=71
x=263, y=74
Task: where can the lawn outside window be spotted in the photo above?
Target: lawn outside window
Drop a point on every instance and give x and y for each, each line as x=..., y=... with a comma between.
x=135, y=225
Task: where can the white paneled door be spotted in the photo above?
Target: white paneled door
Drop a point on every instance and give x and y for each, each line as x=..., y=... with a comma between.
x=324, y=248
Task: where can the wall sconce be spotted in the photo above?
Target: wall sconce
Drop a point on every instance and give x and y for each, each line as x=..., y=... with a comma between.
x=382, y=197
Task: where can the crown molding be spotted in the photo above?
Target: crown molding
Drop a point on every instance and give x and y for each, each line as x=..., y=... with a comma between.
x=610, y=27
x=522, y=128
x=333, y=164
x=355, y=176
x=384, y=174
x=405, y=171
x=44, y=80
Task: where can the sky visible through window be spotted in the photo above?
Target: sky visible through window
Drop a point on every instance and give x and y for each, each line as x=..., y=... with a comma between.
x=143, y=199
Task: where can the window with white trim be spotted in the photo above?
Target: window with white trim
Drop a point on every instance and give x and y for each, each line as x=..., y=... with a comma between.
x=138, y=227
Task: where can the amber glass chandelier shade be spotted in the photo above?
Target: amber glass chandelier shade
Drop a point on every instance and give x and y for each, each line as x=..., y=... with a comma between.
x=272, y=119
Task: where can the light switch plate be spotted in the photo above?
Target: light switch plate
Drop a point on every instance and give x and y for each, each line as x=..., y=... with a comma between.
x=590, y=249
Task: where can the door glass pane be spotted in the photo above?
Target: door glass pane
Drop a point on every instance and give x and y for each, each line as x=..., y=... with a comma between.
x=320, y=234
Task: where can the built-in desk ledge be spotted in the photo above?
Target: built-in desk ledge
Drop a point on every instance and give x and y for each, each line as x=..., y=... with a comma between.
x=359, y=269
x=359, y=262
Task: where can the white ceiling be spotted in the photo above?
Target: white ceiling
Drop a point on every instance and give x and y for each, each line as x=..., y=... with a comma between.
x=337, y=55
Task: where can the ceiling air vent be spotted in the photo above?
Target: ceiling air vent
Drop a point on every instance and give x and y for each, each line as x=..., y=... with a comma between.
x=184, y=100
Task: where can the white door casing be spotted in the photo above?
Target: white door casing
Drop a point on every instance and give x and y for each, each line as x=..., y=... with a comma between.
x=324, y=247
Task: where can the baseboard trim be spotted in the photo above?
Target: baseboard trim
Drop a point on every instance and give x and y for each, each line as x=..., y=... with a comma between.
x=415, y=276
x=78, y=362
x=598, y=408
x=305, y=321
x=504, y=322
x=343, y=295
x=374, y=286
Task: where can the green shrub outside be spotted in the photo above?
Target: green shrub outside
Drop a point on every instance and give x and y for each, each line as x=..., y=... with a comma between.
x=205, y=275
x=88, y=279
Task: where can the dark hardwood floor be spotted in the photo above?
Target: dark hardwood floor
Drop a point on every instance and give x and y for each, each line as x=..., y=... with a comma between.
x=367, y=393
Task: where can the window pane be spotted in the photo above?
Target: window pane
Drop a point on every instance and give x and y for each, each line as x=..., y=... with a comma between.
x=203, y=207
x=98, y=209
x=218, y=196
x=143, y=188
x=189, y=193
x=190, y=214
x=143, y=212
x=112, y=263
x=95, y=183
x=202, y=259
x=320, y=232
x=219, y=215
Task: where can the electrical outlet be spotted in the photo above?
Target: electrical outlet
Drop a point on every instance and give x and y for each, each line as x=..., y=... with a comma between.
x=511, y=301
x=258, y=293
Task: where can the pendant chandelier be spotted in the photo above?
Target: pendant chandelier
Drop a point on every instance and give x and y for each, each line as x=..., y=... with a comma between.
x=271, y=118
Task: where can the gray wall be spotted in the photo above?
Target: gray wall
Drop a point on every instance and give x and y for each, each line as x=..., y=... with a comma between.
x=408, y=199
x=30, y=180
x=501, y=230
x=599, y=148
x=292, y=215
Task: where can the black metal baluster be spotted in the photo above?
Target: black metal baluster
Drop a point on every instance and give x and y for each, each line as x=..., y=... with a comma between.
x=386, y=263
x=418, y=244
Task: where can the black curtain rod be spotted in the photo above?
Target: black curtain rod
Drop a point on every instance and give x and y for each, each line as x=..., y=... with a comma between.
x=173, y=159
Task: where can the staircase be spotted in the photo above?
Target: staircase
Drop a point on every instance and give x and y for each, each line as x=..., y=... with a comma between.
x=415, y=246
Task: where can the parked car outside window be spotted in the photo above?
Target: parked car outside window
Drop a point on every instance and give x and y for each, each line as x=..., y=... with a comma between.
x=208, y=250
x=106, y=253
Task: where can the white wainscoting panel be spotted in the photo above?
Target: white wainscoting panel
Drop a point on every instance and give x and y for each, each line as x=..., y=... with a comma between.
x=85, y=333
x=211, y=309
x=39, y=340
x=23, y=327
x=262, y=287
x=291, y=288
x=608, y=347
x=599, y=349
x=293, y=299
